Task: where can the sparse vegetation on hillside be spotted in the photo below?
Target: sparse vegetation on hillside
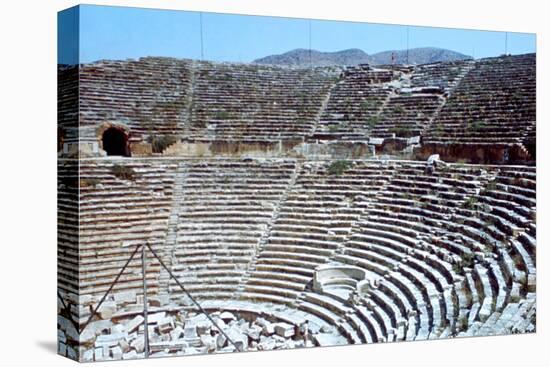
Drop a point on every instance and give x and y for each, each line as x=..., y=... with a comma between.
x=339, y=127
x=470, y=203
x=372, y=121
x=399, y=110
x=222, y=115
x=400, y=130
x=476, y=125
x=338, y=167
x=123, y=172
x=160, y=143
x=89, y=182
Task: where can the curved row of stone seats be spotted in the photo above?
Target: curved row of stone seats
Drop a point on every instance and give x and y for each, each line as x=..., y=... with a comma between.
x=353, y=104
x=311, y=223
x=494, y=102
x=256, y=102
x=67, y=96
x=394, y=254
x=339, y=314
x=225, y=209
x=512, y=199
x=497, y=282
x=67, y=225
x=360, y=323
x=149, y=95
x=406, y=115
x=118, y=212
x=516, y=317
x=445, y=75
x=371, y=324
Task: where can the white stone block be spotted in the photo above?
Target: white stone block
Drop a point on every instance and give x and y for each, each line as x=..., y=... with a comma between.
x=107, y=310
x=138, y=344
x=116, y=352
x=283, y=329
x=125, y=297
x=88, y=355
x=155, y=317
x=130, y=355
x=134, y=324
x=227, y=316
x=98, y=354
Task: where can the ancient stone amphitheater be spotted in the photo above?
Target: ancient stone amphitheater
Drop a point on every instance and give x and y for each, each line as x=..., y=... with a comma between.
x=278, y=195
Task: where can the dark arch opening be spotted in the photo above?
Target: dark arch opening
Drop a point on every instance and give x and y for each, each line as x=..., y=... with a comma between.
x=115, y=142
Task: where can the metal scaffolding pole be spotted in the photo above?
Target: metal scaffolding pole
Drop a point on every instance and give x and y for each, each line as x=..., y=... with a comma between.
x=310, y=61
x=506, y=43
x=407, y=45
x=145, y=301
x=202, y=42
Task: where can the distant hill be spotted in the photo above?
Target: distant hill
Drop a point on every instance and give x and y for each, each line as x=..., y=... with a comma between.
x=354, y=56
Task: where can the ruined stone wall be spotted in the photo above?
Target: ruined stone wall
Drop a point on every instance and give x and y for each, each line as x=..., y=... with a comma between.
x=265, y=110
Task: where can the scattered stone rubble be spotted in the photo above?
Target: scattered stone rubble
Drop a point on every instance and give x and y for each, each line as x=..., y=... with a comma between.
x=175, y=331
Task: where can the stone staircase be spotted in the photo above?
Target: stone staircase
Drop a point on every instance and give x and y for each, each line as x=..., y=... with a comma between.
x=267, y=233
x=323, y=107
x=171, y=238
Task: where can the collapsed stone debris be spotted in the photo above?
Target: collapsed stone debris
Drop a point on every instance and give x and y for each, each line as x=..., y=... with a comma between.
x=178, y=331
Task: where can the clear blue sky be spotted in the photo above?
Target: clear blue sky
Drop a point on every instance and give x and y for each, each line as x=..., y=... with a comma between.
x=105, y=32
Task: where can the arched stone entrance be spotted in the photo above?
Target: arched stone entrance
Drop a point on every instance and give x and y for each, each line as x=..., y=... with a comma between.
x=115, y=141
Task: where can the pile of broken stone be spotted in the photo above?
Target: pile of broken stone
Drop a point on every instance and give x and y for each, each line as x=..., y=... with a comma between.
x=118, y=332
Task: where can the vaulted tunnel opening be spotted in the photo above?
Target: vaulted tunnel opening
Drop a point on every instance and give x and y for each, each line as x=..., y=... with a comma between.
x=115, y=142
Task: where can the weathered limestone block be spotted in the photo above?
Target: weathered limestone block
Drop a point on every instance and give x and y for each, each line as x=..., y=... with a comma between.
x=177, y=333
x=116, y=352
x=283, y=329
x=61, y=336
x=267, y=327
x=88, y=355
x=227, y=317
x=130, y=355
x=190, y=331
x=531, y=283
x=266, y=343
x=87, y=336
x=138, y=344
x=134, y=324
x=165, y=325
x=122, y=298
x=71, y=353
x=203, y=327
x=98, y=354
x=154, y=318
x=237, y=336
x=209, y=342
x=107, y=309
x=110, y=339
x=221, y=340
x=254, y=332
x=124, y=345
x=62, y=348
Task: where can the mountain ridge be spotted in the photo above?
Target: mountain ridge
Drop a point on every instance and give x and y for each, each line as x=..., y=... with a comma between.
x=355, y=56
